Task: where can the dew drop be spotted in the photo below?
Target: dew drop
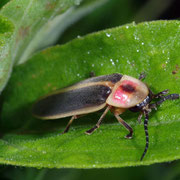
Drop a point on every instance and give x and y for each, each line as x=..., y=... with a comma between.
x=127, y=27
x=142, y=43
x=78, y=36
x=44, y=152
x=137, y=50
x=136, y=38
x=92, y=65
x=133, y=23
x=108, y=34
x=102, y=64
x=128, y=62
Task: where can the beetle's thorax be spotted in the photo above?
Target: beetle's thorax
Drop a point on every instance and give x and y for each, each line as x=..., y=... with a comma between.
x=127, y=93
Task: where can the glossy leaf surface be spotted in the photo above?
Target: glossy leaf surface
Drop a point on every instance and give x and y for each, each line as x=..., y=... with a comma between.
x=6, y=34
x=131, y=49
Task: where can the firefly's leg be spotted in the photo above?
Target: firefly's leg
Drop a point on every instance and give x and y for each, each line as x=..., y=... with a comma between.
x=146, y=114
x=69, y=123
x=140, y=117
x=90, y=131
x=159, y=95
x=120, y=120
x=142, y=76
x=164, y=98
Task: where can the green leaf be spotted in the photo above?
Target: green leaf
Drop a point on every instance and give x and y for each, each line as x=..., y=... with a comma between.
x=37, y=23
x=20, y=173
x=6, y=32
x=103, y=18
x=3, y=2
x=55, y=30
x=161, y=171
x=151, y=47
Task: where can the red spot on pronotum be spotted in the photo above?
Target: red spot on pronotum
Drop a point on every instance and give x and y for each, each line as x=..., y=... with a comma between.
x=123, y=92
x=120, y=97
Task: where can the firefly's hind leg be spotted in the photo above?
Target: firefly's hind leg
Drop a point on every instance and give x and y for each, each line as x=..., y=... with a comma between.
x=128, y=127
x=90, y=131
x=69, y=124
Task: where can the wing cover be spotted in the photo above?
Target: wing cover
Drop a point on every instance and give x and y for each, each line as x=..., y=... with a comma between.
x=111, y=77
x=58, y=105
x=75, y=99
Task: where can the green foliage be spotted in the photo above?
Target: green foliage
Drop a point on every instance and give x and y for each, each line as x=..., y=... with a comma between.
x=111, y=14
x=3, y=2
x=36, y=25
x=33, y=22
x=147, y=47
x=6, y=33
x=39, y=24
x=163, y=171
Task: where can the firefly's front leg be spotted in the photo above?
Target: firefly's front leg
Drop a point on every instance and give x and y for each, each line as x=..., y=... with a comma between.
x=164, y=98
x=128, y=127
x=117, y=112
x=90, y=131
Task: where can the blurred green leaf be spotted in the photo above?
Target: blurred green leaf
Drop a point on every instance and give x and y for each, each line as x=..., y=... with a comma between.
x=3, y=2
x=131, y=49
x=68, y=19
x=152, y=10
x=39, y=23
x=110, y=14
x=158, y=171
x=6, y=32
x=41, y=174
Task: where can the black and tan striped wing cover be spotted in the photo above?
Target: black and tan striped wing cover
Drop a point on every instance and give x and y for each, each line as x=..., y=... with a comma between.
x=81, y=98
